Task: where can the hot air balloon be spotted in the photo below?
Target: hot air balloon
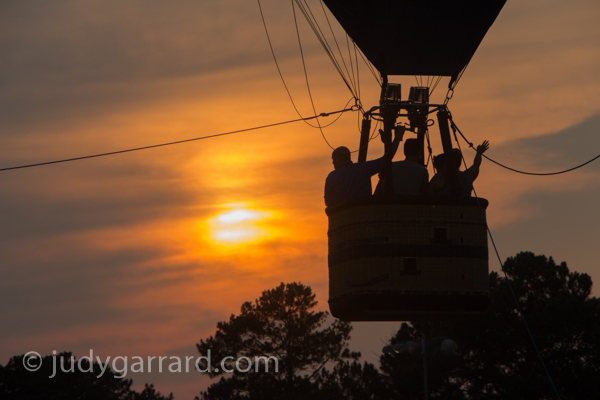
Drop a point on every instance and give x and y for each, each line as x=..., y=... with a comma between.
x=417, y=37
x=397, y=257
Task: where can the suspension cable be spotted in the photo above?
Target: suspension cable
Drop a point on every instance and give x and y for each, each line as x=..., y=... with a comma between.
x=456, y=129
x=452, y=85
x=430, y=156
x=509, y=282
x=275, y=59
x=283, y=80
x=320, y=37
x=306, y=77
x=175, y=142
x=350, y=75
x=369, y=66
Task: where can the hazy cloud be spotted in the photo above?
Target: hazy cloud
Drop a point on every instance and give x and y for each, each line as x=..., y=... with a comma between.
x=114, y=252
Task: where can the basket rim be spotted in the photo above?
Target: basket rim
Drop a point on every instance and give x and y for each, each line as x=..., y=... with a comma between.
x=407, y=200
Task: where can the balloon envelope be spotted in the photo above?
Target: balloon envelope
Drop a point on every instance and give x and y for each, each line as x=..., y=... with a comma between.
x=417, y=37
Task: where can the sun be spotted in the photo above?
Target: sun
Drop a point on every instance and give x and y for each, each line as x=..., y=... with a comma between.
x=238, y=225
x=235, y=216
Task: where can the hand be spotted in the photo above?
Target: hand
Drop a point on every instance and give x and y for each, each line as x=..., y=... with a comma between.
x=399, y=132
x=482, y=148
x=386, y=137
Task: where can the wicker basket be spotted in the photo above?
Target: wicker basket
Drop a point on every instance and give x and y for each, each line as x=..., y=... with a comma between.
x=405, y=257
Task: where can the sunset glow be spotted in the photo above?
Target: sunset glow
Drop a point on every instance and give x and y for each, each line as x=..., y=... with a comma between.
x=236, y=216
x=238, y=226
x=146, y=251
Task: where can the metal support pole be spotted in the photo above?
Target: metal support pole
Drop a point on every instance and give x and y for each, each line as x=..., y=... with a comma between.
x=452, y=170
x=365, y=132
x=389, y=114
x=424, y=351
x=421, y=138
x=389, y=122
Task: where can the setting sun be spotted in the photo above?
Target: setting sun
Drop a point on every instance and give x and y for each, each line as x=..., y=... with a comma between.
x=234, y=216
x=238, y=226
x=156, y=175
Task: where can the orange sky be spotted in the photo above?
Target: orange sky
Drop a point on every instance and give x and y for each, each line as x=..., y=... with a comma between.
x=143, y=253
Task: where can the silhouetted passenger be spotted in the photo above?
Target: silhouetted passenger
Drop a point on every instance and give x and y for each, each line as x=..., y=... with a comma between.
x=410, y=176
x=440, y=183
x=348, y=179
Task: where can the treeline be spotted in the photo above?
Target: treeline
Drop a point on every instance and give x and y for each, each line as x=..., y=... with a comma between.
x=279, y=347
x=490, y=356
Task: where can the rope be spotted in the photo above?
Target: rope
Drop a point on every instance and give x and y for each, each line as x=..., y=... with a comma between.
x=439, y=78
x=320, y=37
x=455, y=129
x=275, y=59
x=172, y=143
x=369, y=66
x=281, y=75
x=371, y=137
x=339, y=116
x=452, y=85
x=514, y=296
x=430, y=156
x=306, y=77
x=356, y=77
x=351, y=77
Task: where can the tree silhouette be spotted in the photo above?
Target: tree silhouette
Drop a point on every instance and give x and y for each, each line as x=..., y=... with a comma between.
x=281, y=332
x=85, y=382
x=496, y=358
x=351, y=380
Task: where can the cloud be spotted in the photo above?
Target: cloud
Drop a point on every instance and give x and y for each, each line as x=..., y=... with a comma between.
x=60, y=283
x=71, y=59
x=552, y=215
x=72, y=43
x=535, y=71
x=111, y=252
x=565, y=225
x=555, y=151
x=69, y=199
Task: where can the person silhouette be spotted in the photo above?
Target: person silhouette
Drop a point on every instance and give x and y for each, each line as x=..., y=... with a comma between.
x=348, y=179
x=410, y=177
x=445, y=166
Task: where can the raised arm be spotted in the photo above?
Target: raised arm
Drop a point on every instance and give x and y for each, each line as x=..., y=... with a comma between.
x=474, y=169
x=398, y=134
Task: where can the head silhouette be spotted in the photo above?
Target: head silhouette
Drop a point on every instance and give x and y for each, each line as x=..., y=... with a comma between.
x=412, y=149
x=340, y=155
x=439, y=162
x=457, y=157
